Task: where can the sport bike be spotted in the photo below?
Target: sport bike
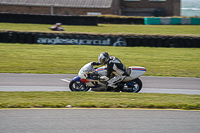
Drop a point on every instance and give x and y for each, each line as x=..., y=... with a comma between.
x=89, y=78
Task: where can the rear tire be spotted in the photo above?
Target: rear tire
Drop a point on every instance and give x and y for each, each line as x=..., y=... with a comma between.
x=78, y=86
x=133, y=86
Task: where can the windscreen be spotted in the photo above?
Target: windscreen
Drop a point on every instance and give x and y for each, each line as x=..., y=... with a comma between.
x=87, y=68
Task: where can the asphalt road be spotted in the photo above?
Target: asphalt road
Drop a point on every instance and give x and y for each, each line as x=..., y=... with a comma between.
x=98, y=121
x=60, y=82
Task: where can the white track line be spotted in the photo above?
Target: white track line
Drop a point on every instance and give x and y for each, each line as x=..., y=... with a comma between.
x=65, y=80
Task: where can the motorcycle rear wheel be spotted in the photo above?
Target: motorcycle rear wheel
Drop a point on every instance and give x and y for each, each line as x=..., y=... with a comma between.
x=133, y=86
x=78, y=86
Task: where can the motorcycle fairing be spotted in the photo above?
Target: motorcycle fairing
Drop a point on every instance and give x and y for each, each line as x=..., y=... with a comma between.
x=83, y=81
x=77, y=78
x=139, y=69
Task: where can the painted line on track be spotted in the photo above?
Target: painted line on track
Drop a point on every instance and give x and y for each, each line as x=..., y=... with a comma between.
x=65, y=80
x=97, y=109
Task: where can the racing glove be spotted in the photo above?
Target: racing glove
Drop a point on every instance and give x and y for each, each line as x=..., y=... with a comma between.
x=95, y=63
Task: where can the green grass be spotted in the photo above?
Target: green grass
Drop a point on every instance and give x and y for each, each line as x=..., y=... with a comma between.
x=68, y=59
x=110, y=28
x=98, y=100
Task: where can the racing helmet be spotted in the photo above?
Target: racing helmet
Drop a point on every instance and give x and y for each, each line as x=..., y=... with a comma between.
x=103, y=58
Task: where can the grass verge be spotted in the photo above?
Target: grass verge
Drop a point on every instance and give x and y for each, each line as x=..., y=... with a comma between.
x=98, y=100
x=109, y=28
x=68, y=59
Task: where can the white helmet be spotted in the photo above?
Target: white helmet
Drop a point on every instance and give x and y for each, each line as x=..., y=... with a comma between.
x=103, y=58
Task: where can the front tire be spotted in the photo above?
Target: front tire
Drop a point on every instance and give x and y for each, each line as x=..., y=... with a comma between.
x=78, y=86
x=133, y=86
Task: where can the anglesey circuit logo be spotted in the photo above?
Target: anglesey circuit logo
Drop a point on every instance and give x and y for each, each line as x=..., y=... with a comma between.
x=120, y=42
x=80, y=41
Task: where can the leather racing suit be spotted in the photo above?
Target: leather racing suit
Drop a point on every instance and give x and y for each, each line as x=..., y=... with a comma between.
x=114, y=66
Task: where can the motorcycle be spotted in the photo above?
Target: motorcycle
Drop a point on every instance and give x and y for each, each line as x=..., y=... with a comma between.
x=89, y=78
x=53, y=28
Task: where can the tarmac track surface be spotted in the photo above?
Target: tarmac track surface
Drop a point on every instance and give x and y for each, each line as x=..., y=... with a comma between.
x=98, y=121
x=60, y=82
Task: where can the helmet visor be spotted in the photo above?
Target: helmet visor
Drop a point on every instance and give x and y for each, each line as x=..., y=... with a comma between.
x=102, y=61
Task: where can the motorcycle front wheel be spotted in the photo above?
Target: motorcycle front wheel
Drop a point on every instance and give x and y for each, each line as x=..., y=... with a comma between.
x=78, y=86
x=133, y=86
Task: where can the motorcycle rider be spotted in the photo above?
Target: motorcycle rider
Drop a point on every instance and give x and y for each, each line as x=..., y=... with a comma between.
x=57, y=27
x=114, y=66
